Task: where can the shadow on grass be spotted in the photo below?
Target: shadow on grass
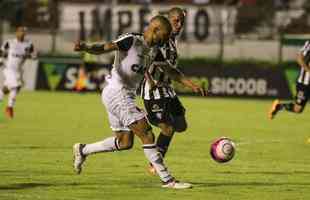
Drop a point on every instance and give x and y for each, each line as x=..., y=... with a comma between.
x=255, y=184
x=266, y=172
x=24, y=186
x=32, y=185
x=33, y=147
x=21, y=186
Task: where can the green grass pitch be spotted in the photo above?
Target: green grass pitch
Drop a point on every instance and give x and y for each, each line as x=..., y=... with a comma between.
x=272, y=159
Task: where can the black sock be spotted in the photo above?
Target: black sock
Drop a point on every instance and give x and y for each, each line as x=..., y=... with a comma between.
x=163, y=143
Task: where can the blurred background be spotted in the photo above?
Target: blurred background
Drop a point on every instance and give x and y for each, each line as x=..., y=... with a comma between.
x=235, y=47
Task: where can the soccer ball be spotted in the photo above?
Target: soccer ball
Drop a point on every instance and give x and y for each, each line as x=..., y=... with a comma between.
x=222, y=150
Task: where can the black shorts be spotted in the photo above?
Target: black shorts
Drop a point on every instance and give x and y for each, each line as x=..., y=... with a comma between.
x=302, y=94
x=163, y=110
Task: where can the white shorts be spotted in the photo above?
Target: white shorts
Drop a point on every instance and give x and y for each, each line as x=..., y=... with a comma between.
x=12, y=79
x=121, y=107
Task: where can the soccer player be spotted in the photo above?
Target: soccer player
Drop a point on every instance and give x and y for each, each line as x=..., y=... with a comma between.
x=163, y=107
x=15, y=51
x=302, y=86
x=133, y=55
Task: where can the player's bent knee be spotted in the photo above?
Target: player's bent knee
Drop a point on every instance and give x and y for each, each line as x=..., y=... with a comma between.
x=126, y=146
x=143, y=130
x=125, y=141
x=149, y=137
x=166, y=129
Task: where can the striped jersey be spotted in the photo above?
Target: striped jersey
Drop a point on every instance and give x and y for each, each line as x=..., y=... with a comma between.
x=130, y=62
x=166, y=54
x=304, y=76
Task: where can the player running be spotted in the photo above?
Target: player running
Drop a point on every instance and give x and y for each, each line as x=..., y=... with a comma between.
x=163, y=107
x=133, y=55
x=302, y=86
x=15, y=52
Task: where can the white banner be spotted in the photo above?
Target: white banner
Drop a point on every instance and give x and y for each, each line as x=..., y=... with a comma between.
x=202, y=22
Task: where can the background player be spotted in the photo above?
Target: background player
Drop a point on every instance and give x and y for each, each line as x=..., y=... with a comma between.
x=133, y=54
x=302, y=86
x=15, y=51
x=163, y=107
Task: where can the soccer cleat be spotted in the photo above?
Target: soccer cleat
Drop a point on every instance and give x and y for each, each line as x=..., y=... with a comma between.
x=78, y=157
x=275, y=107
x=173, y=184
x=9, y=112
x=151, y=170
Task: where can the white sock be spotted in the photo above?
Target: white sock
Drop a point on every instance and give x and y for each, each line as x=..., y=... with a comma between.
x=12, y=97
x=157, y=161
x=1, y=94
x=107, y=145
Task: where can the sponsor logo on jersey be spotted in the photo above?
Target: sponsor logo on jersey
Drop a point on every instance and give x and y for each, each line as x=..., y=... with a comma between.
x=156, y=108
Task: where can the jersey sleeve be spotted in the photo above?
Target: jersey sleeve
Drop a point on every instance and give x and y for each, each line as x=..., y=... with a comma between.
x=4, y=49
x=5, y=46
x=305, y=50
x=124, y=43
x=30, y=48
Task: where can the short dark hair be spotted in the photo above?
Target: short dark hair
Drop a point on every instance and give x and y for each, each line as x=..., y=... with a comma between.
x=176, y=10
x=21, y=27
x=164, y=22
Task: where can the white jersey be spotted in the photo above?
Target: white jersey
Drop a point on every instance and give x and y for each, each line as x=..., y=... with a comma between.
x=118, y=96
x=16, y=52
x=130, y=62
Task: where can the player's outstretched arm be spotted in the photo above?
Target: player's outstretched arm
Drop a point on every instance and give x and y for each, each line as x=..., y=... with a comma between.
x=301, y=61
x=4, y=49
x=2, y=56
x=95, y=48
x=1, y=60
x=178, y=76
x=31, y=53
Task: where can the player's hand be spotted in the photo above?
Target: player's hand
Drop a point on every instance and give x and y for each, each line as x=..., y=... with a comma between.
x=3, y=54
x=200, y=90
x=79, y=46
x=150, y=80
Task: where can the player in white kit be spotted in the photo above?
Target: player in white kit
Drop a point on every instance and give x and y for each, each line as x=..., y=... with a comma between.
x=15, y=52
x=134, y=54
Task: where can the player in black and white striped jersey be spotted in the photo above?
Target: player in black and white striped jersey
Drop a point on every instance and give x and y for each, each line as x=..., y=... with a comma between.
x=163, y=107
x=302, y=86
